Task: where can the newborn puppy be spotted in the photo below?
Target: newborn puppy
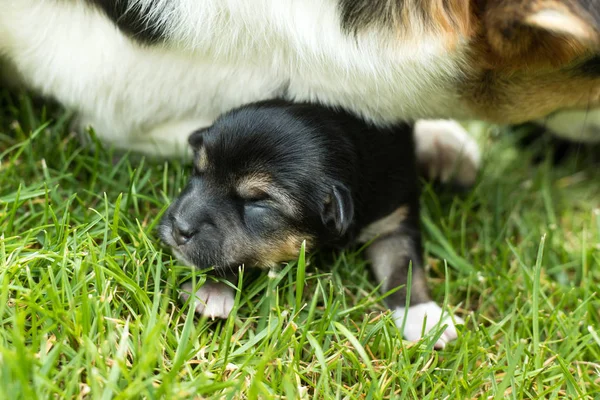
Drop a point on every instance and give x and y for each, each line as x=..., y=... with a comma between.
x=270, y=175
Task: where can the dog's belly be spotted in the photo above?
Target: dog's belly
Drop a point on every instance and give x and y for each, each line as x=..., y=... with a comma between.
x=148, y=97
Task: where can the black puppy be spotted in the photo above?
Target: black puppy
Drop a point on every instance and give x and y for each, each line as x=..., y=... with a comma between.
x=270, y=175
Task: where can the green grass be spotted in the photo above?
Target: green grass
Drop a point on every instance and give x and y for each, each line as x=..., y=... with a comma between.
x=88, y=302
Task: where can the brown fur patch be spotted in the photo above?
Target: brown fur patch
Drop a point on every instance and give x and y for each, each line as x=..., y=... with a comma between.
x=522, y=65
x=514, y=34
x=409, y=19
x=431, y=16
x=450, y=19
x=449, y=16
x=522, y=96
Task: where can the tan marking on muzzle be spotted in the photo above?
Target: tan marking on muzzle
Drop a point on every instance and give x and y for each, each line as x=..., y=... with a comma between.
x=282, y=250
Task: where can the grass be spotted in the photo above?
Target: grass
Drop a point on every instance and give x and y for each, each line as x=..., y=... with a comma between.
x=89, y=310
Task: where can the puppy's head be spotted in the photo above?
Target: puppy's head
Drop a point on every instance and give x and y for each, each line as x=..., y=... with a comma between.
x=266, y=177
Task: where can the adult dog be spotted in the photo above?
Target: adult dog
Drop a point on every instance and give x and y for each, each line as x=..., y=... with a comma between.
x=145, y=73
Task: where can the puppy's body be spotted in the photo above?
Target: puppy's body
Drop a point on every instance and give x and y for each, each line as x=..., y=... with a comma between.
x=271, y=175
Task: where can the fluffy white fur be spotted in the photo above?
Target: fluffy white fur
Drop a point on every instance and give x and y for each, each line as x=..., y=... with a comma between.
x=220, y=54
x=447, y=151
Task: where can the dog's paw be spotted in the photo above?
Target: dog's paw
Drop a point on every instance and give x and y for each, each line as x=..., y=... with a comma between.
x=213, y=299
x=446, y=152
x=429, y=315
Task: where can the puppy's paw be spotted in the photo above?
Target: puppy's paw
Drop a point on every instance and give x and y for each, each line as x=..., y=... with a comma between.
x=213, y=299
x=428, y=314
x=446, y=152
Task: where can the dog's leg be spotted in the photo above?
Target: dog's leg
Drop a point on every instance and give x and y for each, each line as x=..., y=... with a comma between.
x=212, y=299
x=165, y=140
x=575, y=125
x=446, y=152
x=390, y=255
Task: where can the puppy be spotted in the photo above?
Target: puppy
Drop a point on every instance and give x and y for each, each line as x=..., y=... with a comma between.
x=271, y=175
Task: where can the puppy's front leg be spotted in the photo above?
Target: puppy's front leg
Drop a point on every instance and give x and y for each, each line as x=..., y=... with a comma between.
x=391, y=255
x=212, y=299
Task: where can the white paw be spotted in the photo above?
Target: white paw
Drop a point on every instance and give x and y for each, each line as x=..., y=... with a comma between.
x=446, y=151
x=576, y=125
x=213, y=299
x=430, y=315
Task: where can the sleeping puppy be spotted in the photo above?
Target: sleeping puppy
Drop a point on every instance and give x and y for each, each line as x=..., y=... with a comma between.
x=271, y=175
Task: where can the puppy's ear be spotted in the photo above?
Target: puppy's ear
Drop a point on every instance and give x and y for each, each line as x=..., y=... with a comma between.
x=197, y=138
x=338, y=210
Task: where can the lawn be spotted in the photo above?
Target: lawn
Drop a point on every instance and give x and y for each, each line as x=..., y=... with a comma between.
x=89, y=309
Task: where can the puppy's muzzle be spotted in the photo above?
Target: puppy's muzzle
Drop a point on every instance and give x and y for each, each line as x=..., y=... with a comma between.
x=185, y=227
x=182, y=231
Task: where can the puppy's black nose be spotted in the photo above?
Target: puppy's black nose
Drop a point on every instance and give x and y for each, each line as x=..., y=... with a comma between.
x=182, y=232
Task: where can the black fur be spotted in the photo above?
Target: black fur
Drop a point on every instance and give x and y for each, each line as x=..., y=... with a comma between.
x=360, y=14
x=590, y=67
x=132, y=19
x=542, y=143
x=338, y=173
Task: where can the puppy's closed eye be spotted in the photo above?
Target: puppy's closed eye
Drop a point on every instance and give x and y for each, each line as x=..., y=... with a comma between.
x=254, y=196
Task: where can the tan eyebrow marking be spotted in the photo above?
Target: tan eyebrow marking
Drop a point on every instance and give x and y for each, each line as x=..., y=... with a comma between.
x=261, y=184
x=254, y=185
x=202, y=160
